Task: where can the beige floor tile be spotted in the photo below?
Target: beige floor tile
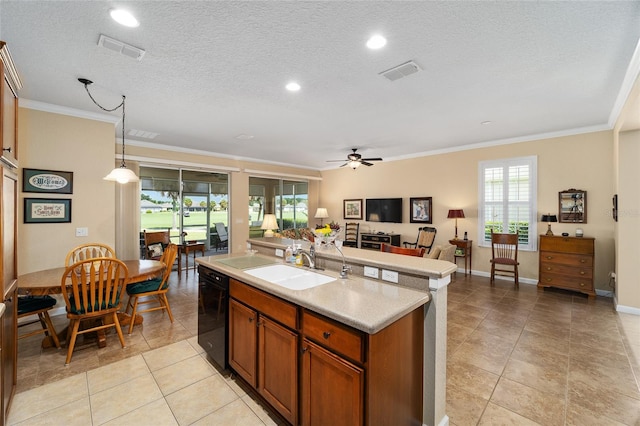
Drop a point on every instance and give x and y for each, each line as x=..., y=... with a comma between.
x=48, y=397
x=471, y=378
x=193, y=341
x=464, y=408
x=578, y=415
x=111, y=375
x=542, y=407
x=496, y=415
x=551, y=378
x=167, y=355
x=124, y=398
x=200, y=399
x=617, y=379
x=485, y=351
x=76, y=413
x=156, y=413
x=183, y=373
x=236, y=413
x=611, y=405
x=264, y=414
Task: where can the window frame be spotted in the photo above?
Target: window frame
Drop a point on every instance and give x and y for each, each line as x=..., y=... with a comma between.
x=505, y=164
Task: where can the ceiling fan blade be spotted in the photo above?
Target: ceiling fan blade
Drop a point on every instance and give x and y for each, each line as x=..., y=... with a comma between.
x=335, y=161
x=372, y=159
x=366, y=164
x=344, y=164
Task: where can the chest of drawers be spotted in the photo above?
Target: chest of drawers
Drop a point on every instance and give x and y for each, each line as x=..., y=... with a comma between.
x=567, y=262
x=373, y=241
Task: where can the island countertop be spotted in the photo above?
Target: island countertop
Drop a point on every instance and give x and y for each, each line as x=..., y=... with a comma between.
x=365, y=304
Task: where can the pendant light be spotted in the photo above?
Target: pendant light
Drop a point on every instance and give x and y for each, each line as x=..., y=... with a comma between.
x=120, y=174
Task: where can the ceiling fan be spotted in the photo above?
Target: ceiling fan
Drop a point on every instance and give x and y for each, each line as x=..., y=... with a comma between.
x=354, y=160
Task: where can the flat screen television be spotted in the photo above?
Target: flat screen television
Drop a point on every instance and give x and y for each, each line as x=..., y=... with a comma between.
x=384, y=210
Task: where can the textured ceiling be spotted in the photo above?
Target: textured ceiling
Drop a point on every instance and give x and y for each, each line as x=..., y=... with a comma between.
x=214, y=70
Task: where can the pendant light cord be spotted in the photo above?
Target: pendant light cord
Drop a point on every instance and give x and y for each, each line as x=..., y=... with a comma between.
x=86, y=87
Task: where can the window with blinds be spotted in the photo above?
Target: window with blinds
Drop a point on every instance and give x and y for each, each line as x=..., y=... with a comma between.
x=507, y=200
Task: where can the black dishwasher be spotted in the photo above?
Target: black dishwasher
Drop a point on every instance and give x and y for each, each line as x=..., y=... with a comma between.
x=213, y=295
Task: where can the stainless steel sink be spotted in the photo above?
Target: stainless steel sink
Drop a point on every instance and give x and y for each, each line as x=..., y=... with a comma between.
x=291, y=277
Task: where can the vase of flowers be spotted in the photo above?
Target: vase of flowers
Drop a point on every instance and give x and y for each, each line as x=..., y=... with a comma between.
x=325, y=235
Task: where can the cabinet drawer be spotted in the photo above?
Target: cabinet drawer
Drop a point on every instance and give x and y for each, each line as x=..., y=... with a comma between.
x=558, y=268
x=337, y=337
x=375, y=238
x=567, y=244
x=575, y=283
x=374, y=246
x=277, y=309
x=567, y=259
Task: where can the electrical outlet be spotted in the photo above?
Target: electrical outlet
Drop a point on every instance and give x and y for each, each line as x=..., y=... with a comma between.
x=370, y=272
x=279, y=252
x=390, y=276
x=82, y=232
x=612, y=275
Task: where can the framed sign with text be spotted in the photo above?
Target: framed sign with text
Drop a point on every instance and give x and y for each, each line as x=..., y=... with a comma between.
x=47, y=210
x=47, y=181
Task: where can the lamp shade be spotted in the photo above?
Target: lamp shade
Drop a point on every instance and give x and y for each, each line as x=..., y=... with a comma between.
x=549, y=218
x=122, y=175
x=455, y=214
x=321, y=213
x=269, y=223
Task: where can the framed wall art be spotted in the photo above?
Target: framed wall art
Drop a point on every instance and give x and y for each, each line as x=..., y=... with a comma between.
x=353, y=209
x=420, y=210
x=572, y=206
x=47, y=210
x=47, y=181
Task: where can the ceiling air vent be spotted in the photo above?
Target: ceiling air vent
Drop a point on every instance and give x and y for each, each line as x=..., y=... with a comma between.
x=142, y=134
x=120, y=47
x=400, y=71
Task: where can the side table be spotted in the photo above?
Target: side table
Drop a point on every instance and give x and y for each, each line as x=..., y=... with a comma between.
x=463, y=249
x=187, y=248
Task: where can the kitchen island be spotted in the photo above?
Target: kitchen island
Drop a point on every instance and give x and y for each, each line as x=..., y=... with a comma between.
x=375, y=338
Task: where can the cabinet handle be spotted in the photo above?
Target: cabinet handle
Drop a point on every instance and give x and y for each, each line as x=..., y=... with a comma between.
x=250, y=319
x=7, y=149
x=326, y=334
x=303, y=350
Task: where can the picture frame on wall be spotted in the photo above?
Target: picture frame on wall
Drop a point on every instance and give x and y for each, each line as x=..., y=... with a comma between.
x=572, y=206
x=421, y=208
x=47, y=181
x=47, y=210
x=353, y=209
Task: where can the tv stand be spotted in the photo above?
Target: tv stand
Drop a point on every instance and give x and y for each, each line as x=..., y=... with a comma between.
x=373, y=241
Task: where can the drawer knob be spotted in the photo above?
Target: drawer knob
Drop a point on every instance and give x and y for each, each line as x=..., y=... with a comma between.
x=581, y=272
x=548, y=280
x=548, y=268
x=581, y=284
x=582, y=261
x=549, y=257
x=326, y=334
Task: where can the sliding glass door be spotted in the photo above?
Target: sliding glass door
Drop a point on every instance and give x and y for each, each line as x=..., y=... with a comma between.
x=187, y=203
x=287, y=199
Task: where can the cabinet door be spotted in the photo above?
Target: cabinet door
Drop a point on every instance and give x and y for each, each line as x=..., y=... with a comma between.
x=332, y=388
x=243, y=335
x=278, y=368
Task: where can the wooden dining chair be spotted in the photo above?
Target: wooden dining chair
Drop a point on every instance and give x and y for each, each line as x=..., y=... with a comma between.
x=426, y=237
x=155, y=243
x=94, y=294
x=351, y=234
x=155, y=290
x=88, y=251
x=419, y=252
x=504, y=256
x=40, y=307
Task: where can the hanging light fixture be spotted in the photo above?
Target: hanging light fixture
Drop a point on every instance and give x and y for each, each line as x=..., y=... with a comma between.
x=120, y=174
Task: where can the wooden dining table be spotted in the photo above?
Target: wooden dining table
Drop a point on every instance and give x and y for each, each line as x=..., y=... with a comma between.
x=48, y=281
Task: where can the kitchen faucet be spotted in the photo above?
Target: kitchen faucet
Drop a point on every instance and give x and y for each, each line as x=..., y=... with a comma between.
x=345, y=268
x=311, y=257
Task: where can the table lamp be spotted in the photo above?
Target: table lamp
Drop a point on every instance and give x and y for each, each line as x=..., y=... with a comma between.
x=455, y=214
x=321, y=213
x=269, y=223
x=549, y=218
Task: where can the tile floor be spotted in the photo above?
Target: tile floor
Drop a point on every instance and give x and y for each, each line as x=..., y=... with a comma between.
x=514, y=357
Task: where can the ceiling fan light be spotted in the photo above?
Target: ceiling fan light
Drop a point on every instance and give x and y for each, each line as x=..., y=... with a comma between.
x=354, y=164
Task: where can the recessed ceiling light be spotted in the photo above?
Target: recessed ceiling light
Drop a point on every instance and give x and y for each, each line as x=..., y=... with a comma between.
x=376, y=42
x=486, y=122
x=244, y=137
x=123, y=17
x=293, y=86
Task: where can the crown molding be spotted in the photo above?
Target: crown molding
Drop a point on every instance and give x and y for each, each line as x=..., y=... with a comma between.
x=57, y=109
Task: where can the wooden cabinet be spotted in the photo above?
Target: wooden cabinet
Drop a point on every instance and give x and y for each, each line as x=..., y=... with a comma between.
x=8, y=208
x=567, y=262
x=373, y=241
x=317, y=371
x=353, y=378
x=262, y=350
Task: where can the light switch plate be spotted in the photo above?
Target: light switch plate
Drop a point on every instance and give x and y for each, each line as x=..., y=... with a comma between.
x=390, y=276
x=82, y=232
x=370, y=272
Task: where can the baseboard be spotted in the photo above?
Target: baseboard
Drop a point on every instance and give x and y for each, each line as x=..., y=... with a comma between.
x=488, y=275
x=625, y=309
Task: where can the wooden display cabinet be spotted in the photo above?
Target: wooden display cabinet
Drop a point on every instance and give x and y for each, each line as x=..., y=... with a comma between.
x=567, y=262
